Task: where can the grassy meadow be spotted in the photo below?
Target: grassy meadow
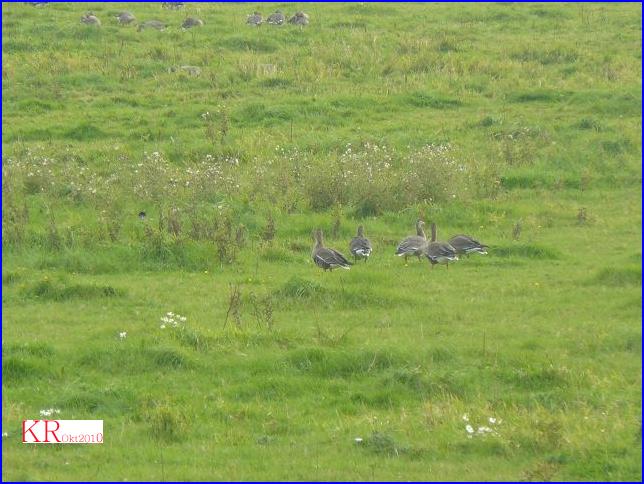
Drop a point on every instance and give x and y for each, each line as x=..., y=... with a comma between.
x=518, y=124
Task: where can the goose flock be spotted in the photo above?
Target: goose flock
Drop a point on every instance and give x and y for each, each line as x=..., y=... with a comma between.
x=128, y=18
x=435, y=251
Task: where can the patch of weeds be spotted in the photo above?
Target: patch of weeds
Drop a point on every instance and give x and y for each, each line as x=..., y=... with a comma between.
x=423, y=100
x=166, y=422
x=525, y=251
x=13, y=277
x=36, y=348
x=48, y=290
x=300, y=288
x=189, y=337
x=383, y=444
x=339, y=363
x=618, y=277
x=18, y=369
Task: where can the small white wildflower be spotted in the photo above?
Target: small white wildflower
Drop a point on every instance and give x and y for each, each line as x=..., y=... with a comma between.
x=469, y=429
x=162, y=326
x=466, y=418
x=5, y=434
x=358, y=440
x=492, y=420
x=123, y=334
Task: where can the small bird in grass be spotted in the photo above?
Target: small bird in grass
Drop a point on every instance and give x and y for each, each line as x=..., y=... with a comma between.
x=360, y=246
x=414, y=244
x=327, y=259
x=464, y=244
x=439, y=252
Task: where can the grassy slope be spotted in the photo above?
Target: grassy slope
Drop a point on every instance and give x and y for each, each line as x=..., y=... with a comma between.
x=544, y=333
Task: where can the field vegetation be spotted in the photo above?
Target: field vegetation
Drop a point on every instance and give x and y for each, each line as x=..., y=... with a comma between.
x=156, y=237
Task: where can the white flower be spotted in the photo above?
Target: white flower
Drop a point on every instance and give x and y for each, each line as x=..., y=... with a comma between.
x=48, y=412
x=492, y=420
x=466, y=418
x=162, y=326
x=358, y=440
x=469, y=429
x=123, y=334
x=5, y=434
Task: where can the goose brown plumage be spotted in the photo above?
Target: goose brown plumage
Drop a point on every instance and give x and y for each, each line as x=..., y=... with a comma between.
x=414, y=244
x=439, y=252
x=327, y=258
x=464, y=244
x=360, y=246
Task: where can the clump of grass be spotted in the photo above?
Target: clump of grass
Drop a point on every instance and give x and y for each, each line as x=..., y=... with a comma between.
x=268, y=234
x=189, y=337
x=528, y=251
x=35, y=348
x=262, y=310
x=18, y=369
x=49, y=290
x=167, y=358
x=616, y=277
x=166, y=421
x=234, y=305
x=13, y=277
x=300, y=288
x=384, y=444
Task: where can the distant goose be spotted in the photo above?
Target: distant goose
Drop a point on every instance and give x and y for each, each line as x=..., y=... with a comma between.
x=172, y=5
x=276, y=18
x=327, y=259
x=255, y=19
x=125, y=18
x=300, y=18
x=439, y=252
x=464, y=244
x=360, y=246
x=90, y=19
x=414, y=244
x=151, y=24
x=192, y=22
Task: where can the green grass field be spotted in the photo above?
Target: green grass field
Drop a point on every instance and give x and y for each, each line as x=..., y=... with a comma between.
x=519, y=124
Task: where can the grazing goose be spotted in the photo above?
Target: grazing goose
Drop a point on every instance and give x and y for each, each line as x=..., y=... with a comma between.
x=327, y=259
x=255, y=19
x=439, y=252
x=172, y=5
x=464, y=244
x=276, y=18
x=300, y=18
x=90, y=19
x=192, y=22
x=414, y=244
x=125, y=18
x=152, y=24
x=360, y=246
